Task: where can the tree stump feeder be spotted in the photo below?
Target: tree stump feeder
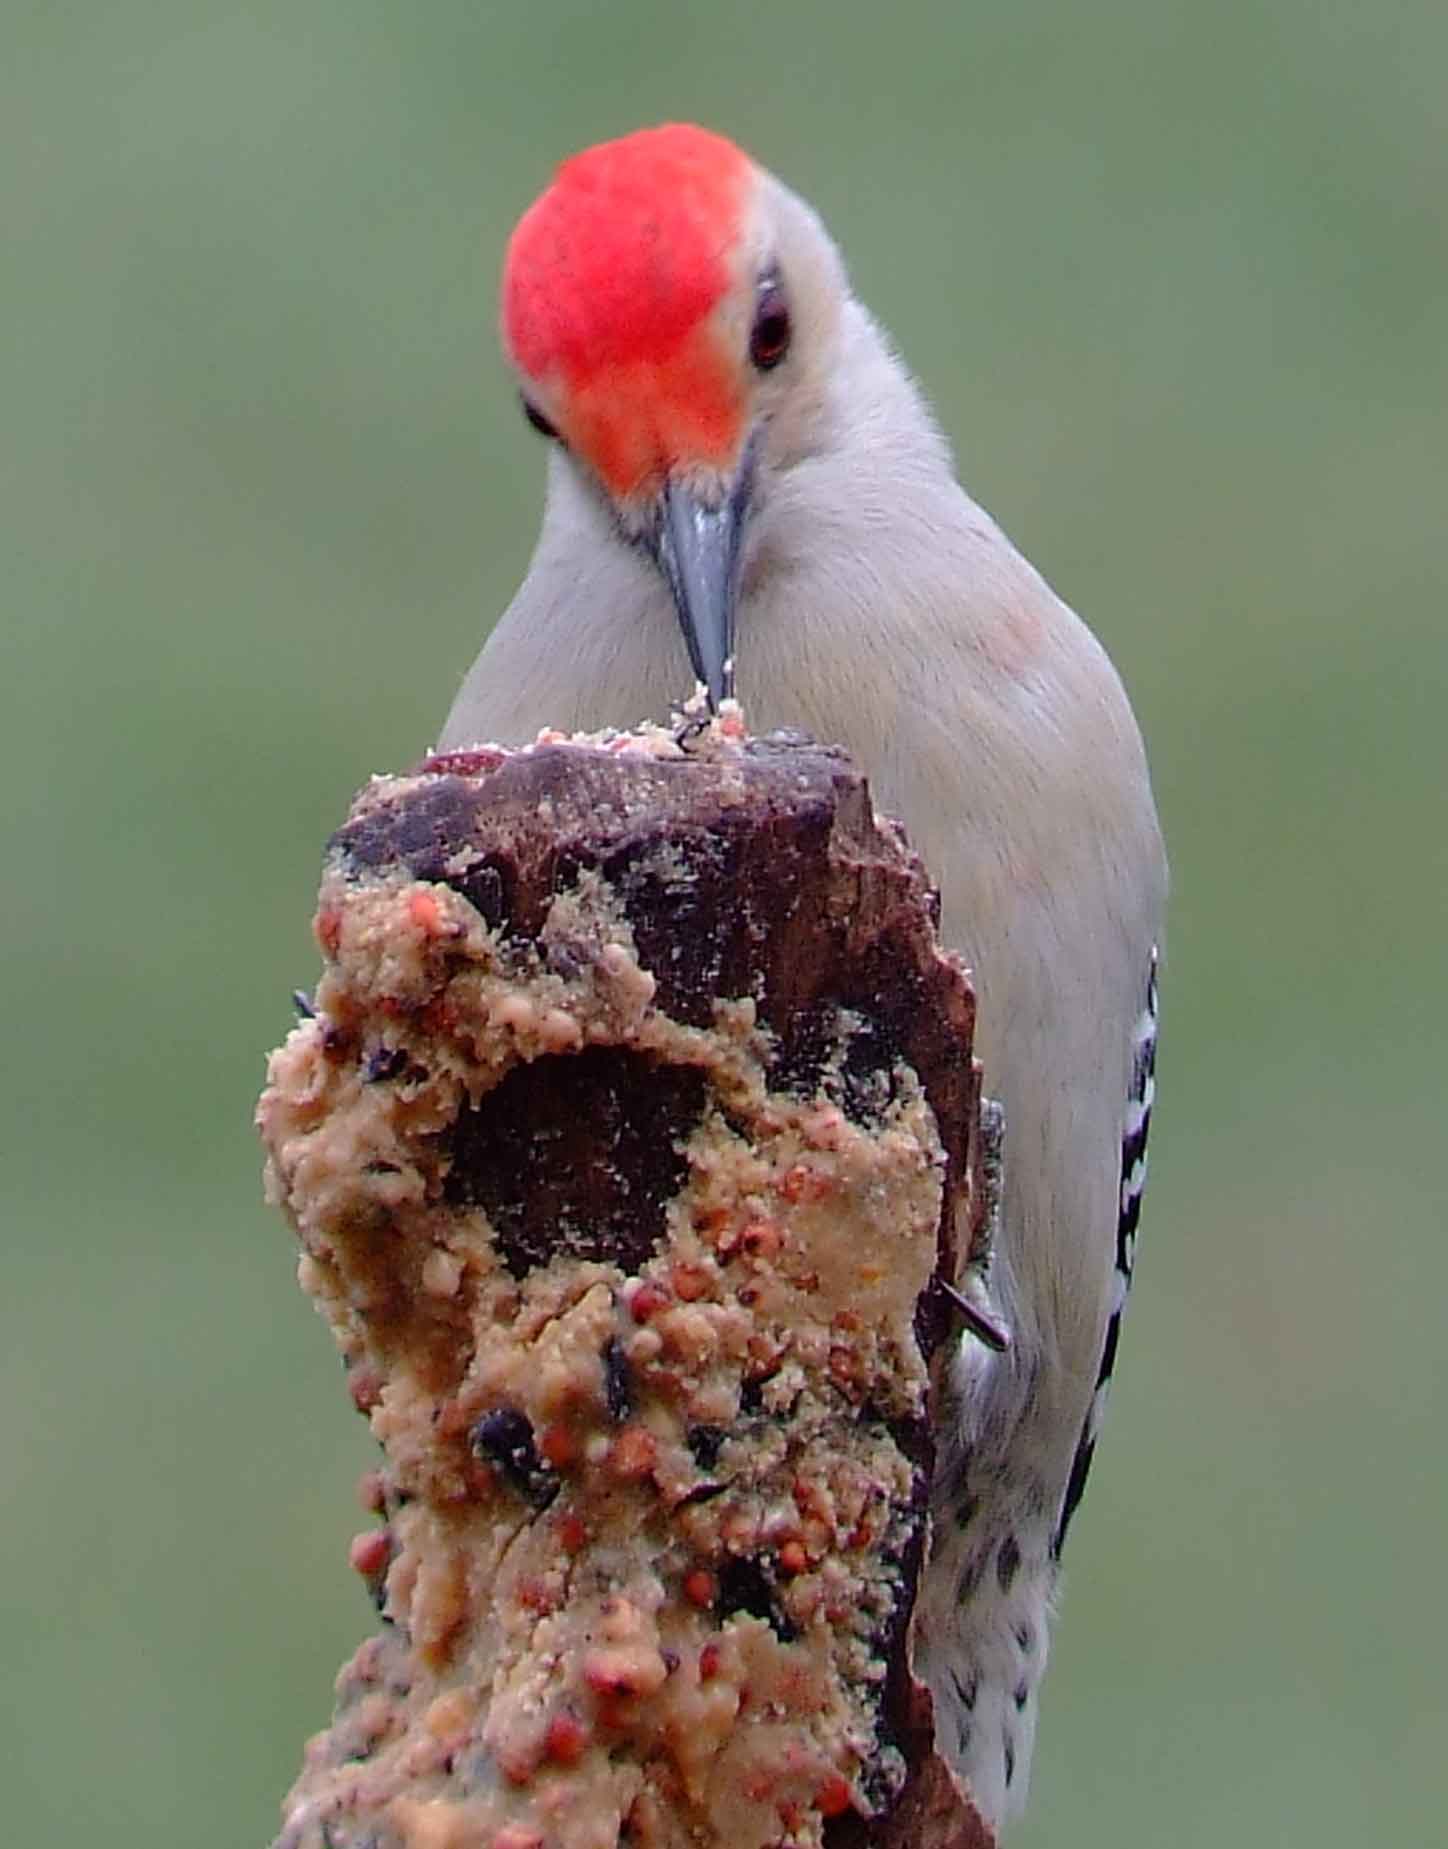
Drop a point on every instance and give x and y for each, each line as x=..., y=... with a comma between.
x=632, y=1142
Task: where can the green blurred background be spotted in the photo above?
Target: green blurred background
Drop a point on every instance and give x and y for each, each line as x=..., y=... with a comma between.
x=1176, y=276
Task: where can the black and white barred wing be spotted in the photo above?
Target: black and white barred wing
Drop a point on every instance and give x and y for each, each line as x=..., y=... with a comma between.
x=1133, y=1182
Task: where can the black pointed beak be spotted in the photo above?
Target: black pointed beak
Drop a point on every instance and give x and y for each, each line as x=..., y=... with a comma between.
x=698, y=546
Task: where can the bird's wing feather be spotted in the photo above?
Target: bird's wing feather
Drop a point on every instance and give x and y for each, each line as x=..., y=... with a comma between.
x=1133, y=1182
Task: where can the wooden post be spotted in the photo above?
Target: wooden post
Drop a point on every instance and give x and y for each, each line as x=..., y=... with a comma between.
x=630, y=1144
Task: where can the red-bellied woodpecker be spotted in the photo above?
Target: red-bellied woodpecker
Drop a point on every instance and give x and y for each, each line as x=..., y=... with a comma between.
x=740, y=462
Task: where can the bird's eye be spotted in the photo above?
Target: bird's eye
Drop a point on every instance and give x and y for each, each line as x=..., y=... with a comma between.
x=769, y=337
x=539, y=422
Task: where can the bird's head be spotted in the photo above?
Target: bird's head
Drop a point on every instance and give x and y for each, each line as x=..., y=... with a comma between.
x=672, y=313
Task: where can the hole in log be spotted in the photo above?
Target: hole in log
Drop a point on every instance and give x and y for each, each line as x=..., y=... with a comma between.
x=578, y=1153
x=745, y=1586
x=835, y=1050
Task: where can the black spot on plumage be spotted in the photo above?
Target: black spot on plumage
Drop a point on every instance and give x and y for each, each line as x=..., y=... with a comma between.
x=967, y=1690
x=1075, y=1489
x=1008, y=1562
x=1010, y=1757
x=1025, y=1638
x=1108, y=1348
x=1022, y=1696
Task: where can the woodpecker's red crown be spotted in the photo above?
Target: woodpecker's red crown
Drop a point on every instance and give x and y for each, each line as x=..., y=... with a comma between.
x=612, y=288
